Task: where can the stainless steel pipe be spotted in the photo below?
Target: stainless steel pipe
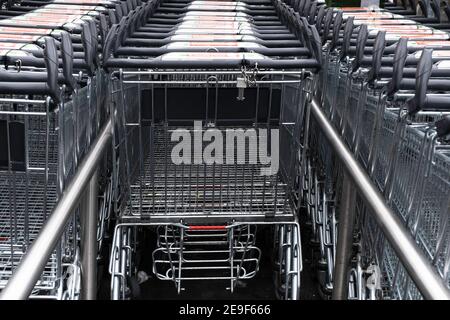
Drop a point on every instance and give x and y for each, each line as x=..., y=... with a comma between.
x=89, y=218
x=418, y=266
x=33, y=263
x=345, y=240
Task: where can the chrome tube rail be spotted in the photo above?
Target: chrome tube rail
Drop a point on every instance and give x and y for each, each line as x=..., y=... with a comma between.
x=22, y=282
x=418, y=266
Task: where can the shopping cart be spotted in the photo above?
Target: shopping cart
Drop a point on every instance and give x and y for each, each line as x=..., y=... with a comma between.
x=205, y=213
x=367, y=105
x=208, y=205
x=52, y=106
x=425, y=214
x=38, y=157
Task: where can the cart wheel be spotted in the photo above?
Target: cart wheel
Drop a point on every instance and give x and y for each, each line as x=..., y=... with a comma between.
x=134, y=287
x=278, y=286
x=324, y=293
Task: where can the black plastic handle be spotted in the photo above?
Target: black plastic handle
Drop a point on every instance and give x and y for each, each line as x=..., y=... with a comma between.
x=301, y=8
x=67, y=59
x=94, y=41
x=337, y=25
x=304, y=31
x=110, y=43
x=423, y=74
x=129, y=5
x=378, y=49
x=326, y=25
x=348, y=30
x=52, y=64
x=435, y=7
x=103, y=27
x=86, y=39
x=122, y=32
x=316, y=44
x=400, y=55
x=112, y=14
x=124, y=7
x=424, y=8
x=436, y=103
x=319, y=19
x=363, y=34
x=119, y=11
x=447, y=10
x=443, y=126
x=306, y=8
x=312, y=13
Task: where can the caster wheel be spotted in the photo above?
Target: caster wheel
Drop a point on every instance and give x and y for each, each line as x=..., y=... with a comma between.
x=134, y=288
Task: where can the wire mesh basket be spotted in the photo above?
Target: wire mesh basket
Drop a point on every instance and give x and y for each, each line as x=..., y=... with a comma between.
x=42, y=143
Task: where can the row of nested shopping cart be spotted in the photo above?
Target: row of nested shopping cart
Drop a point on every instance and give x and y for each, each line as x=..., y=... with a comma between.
x=52, y=105
x=384, y=85
x=251, y=65
x=434, y=13
x=217, y=71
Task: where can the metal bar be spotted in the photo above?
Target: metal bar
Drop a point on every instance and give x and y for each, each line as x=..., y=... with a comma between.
x=345, y=240
x=164, y=72
x=419, y=268
x=30, y=269
x=22, y=101
x=206, y=82
x=24, y=113
x=89, y=218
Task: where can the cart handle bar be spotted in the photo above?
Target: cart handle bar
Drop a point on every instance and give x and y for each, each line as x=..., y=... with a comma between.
x=207, y=228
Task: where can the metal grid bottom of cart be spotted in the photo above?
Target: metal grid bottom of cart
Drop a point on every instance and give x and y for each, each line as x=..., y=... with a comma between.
x=232, y=191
